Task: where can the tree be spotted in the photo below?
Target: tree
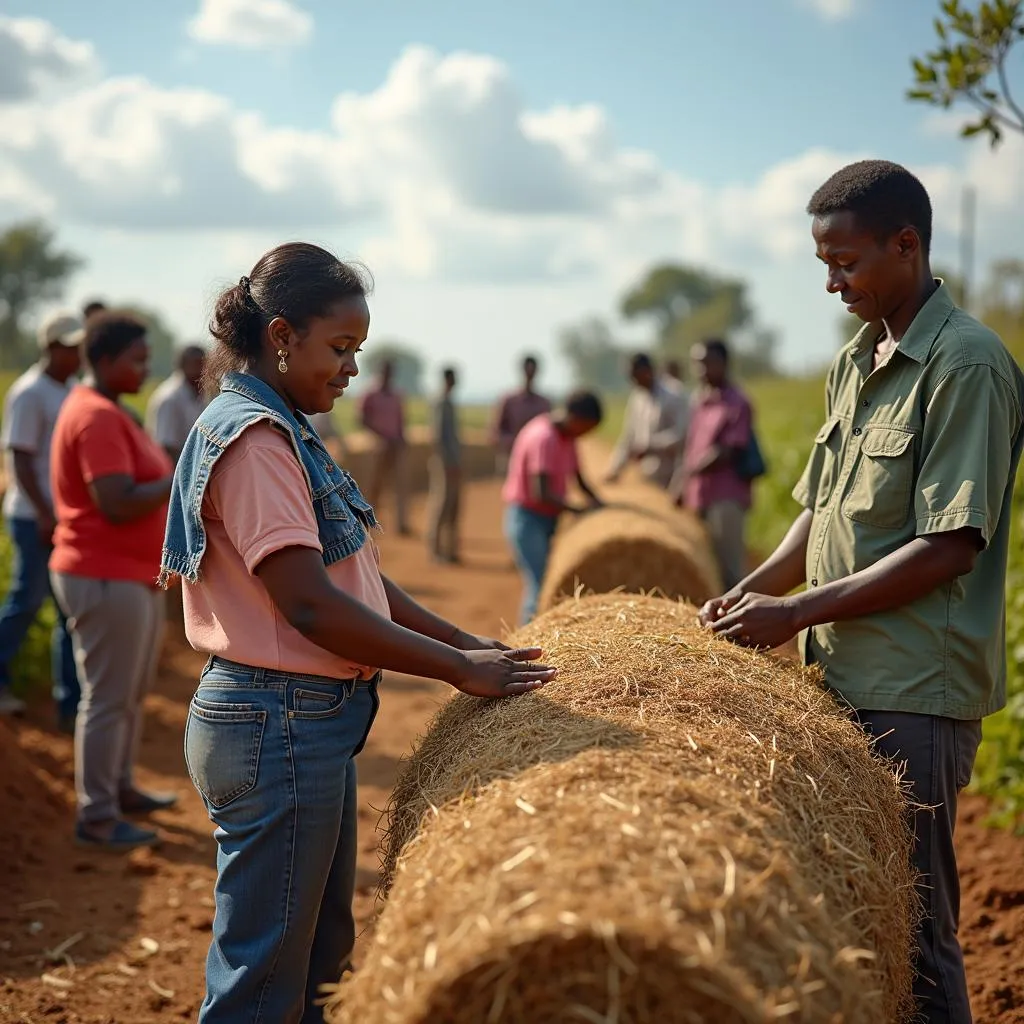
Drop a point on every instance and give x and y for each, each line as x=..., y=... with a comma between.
x=686, y=304
x=407, y=362
x=689, y=304
x=32, y=271
x=597, y=361
x=970, y=63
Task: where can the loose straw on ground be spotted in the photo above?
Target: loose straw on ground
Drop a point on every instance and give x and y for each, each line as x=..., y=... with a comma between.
x=643, y=544
x=676, y=831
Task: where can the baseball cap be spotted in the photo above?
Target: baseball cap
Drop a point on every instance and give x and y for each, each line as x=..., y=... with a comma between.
x=61, y=329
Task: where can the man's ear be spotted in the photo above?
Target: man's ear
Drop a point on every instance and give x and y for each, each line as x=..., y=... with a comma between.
x=908, y=244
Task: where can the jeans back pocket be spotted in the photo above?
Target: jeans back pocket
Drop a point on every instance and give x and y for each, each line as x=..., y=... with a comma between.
x=222, y=748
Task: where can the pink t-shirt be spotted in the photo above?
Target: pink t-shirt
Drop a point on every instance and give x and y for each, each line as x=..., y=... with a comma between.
x=717, y=418
x=540, y=448
x=384, y=415
x=257, y=502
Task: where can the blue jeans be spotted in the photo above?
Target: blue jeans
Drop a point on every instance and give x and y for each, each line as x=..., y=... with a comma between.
x=271, y=755
x=30, y=587
x=529, y=534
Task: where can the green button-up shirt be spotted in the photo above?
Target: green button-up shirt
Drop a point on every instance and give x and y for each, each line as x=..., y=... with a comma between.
x=928, y=442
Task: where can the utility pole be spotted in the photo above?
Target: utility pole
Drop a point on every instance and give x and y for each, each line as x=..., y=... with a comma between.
x=968, y=208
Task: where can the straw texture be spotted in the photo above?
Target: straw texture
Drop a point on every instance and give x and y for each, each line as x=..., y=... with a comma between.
x=676, y=831
x=642, y=545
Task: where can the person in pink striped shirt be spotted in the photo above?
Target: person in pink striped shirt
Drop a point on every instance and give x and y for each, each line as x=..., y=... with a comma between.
x=383, y=415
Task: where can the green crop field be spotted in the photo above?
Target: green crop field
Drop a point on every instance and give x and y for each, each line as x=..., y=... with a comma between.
x=789, y=413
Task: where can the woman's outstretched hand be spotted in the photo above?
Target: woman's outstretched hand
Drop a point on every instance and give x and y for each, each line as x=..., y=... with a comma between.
x=464, y=641
x=503, y=673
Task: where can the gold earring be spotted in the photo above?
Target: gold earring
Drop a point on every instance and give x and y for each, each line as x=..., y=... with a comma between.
x=282, y=361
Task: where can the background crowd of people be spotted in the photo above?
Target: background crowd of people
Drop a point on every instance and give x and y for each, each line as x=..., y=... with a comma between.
x=88, y=482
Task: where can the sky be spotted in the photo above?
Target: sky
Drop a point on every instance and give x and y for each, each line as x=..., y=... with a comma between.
x=504, y=170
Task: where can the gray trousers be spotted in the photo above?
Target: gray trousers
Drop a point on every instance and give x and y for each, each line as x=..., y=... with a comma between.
x=725, y=522
x=443, y=509
x=939, y=757
x=389, y=465
x=116, y=628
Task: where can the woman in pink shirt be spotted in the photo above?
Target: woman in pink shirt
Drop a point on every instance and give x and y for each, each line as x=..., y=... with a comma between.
x=283, y=589
x=542, y=465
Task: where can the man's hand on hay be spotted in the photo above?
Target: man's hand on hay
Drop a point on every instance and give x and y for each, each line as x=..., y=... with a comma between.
x=754, y=620
x=505, y=673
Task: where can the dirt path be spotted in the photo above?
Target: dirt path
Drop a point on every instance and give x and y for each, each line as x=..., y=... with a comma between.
x=108, y=940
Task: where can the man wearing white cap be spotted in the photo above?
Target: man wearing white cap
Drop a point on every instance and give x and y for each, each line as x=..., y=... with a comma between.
x=30, y=412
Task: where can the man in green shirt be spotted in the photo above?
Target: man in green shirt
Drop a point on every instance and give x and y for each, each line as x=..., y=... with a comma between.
x=904, y=535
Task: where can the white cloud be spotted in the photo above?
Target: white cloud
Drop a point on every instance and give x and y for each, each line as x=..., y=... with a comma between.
x=251, y=24
x=439, y=174
x=832, y=10
x=35, y=58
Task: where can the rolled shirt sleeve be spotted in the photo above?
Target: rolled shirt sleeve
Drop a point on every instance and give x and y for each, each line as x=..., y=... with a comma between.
x=966, y=452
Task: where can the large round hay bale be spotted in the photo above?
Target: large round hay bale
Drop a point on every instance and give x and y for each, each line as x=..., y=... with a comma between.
x=641, y=545
x=676, y=831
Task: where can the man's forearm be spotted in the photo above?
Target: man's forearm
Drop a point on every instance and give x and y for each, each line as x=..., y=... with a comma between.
x=581, y=482
x=785, y=568
x=901, y=578
x=24, y=473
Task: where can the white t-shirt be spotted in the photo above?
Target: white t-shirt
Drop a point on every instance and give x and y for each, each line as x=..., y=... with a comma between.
x=30, y=412
x=173, y=409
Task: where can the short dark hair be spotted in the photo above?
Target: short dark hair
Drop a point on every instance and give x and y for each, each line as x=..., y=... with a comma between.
x=883, y=196
x=584, y=405
x=448, y=371
x=190, y=352
x=109, y=333
x=530, y=360
x=297, y=281
x=92, y=307
x=641, y=361
x=718, y=347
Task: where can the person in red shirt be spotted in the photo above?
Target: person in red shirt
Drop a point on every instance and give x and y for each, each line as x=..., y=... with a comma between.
x=710, y=483
x=110, y=485
x=542, y=465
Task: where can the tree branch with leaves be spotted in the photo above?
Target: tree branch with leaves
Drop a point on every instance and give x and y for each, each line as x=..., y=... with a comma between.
x=970, y=64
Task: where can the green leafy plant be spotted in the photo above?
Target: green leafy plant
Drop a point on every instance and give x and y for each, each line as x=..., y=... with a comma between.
x=970, y=64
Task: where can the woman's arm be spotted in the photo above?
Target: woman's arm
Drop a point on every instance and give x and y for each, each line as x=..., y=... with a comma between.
x=299, y=586
x=410, y=613
x=121, y=499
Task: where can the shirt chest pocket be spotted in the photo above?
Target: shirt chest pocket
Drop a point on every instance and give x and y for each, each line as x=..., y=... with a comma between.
x=883, y=480
x=343, y=512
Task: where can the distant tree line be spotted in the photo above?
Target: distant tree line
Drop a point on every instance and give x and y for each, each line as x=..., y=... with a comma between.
x=35, y=271
x=684, y=305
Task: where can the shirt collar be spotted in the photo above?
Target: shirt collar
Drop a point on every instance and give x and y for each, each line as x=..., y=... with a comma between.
x=917, y=342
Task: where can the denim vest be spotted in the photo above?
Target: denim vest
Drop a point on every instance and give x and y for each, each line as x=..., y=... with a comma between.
x=343, y=515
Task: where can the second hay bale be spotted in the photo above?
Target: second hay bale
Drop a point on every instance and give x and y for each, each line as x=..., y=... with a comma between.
x=643, y=544
x=677, y=831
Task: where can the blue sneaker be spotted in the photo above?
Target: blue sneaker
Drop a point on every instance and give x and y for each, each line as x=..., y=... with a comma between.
x=124, y=836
